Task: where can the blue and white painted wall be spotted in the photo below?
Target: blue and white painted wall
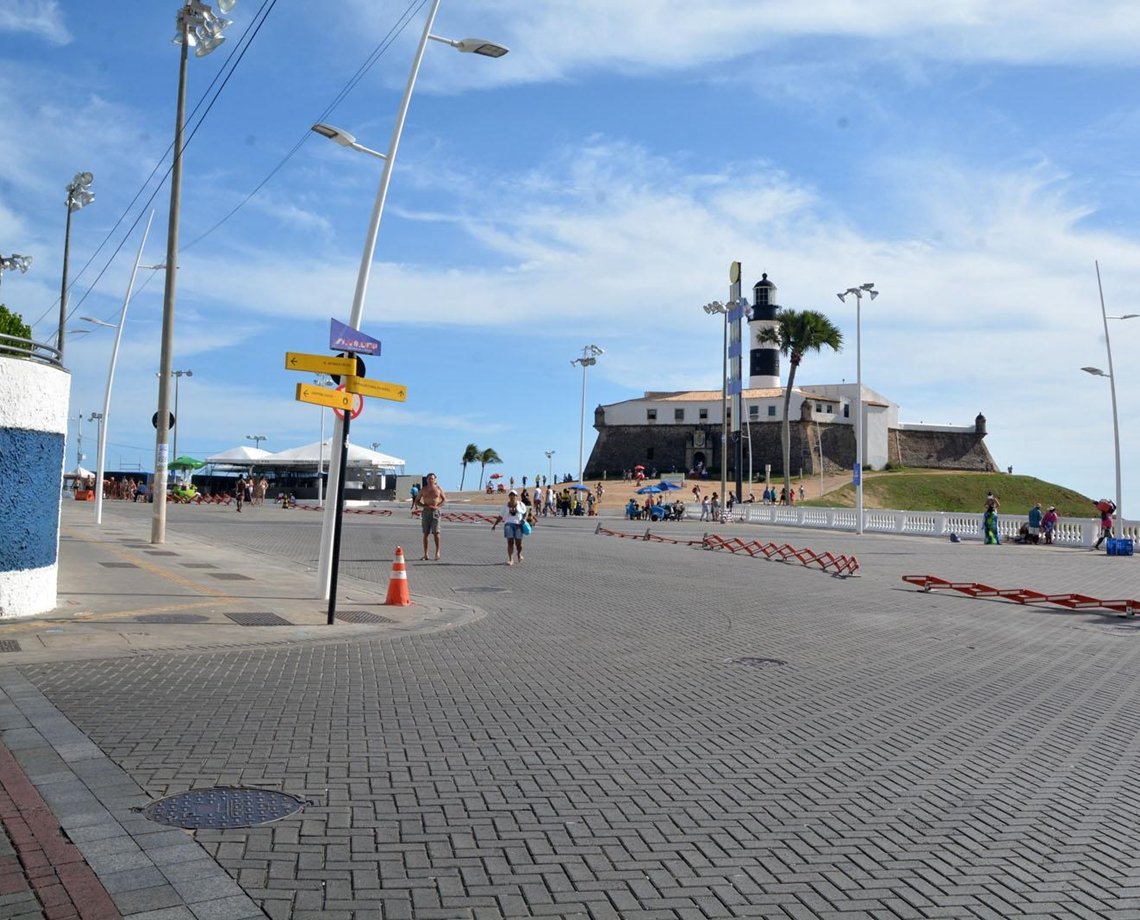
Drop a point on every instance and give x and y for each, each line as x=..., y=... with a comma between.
x=33, y=431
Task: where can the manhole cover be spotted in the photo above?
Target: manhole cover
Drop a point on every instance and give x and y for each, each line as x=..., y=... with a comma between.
x=172, y=618
x=198, y=565
x=362, y=616
x=160, y=552
x=229, y=576
x=750, y=662
x=223, y=806
x=480, y=589
x=119, y=565
x=9, y=645
x=257, y=618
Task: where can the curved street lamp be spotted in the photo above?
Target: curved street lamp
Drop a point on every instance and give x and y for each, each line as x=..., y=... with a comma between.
x=1117, y=526
x=589, y=358
x=118, y=327
x=858, y=292
x=325, y=574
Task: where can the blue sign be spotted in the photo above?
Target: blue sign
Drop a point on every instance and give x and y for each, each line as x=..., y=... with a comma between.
x=345, y=338
x=856, y=476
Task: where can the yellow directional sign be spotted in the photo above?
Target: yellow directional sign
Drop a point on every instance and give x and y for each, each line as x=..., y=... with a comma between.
x=319, y=364
x=396, y=392
x=319, y=396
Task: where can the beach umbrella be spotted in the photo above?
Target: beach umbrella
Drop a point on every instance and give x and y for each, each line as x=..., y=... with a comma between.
x=580, y=488
x=668, y=486
x=650, y=490
x=186, y=463
x=495, y=476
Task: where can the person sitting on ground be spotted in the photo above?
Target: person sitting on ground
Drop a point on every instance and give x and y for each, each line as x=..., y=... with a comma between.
x=631, y=510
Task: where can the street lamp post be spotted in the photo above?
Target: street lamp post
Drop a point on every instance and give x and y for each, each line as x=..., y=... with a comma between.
x=79, y=195
x=201, y=29
x=858, y=292
x=1117, y=527
x=257, y=439
x=467, y=45
x=79, y=455
x=589, y=358
x=550, y=466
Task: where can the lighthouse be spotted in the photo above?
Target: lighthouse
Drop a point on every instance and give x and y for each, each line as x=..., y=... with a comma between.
x=764, y=357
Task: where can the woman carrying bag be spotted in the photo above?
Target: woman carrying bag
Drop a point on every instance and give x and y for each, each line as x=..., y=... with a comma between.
x=515, y=526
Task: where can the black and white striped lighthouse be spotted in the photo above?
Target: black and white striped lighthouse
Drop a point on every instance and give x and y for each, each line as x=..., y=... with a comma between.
x=764, y=357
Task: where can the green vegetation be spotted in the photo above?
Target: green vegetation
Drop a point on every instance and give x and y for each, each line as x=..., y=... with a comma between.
x=936, y=491
x=13, y=324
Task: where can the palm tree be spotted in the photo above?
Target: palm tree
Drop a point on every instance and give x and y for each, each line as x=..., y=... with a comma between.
x=796, y=333
x=470, y=455
x=485, y=457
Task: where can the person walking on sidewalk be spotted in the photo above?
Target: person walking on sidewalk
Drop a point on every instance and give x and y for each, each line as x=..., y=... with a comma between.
x=430, y=499
x=1106, y=508
x=239, y=492
x=513, y=518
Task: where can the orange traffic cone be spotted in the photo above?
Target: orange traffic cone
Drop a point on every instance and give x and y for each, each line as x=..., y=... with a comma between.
x=398, y=584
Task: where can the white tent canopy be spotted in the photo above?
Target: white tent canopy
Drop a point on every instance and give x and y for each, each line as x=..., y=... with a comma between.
x=311, y=454
x=238, y=456
x=80, y=472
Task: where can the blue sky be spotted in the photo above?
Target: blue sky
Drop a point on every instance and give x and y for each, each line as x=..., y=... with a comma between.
x=592, y=187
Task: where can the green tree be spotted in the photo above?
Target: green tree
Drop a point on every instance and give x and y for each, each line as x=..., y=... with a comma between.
x=470, y=455
x=485, y=457
x=13, y=324
x=796, y=333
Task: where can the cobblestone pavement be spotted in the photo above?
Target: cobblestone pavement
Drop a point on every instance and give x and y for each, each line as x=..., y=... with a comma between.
x=646, y=730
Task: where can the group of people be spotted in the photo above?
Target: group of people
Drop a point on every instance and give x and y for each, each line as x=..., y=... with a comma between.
x=516, y=516
x=655, y=509
x=251, y=491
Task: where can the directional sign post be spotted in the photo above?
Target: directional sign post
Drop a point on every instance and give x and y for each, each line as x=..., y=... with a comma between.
x=347, y=401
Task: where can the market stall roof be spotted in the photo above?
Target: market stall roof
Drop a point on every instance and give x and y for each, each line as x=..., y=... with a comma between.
x=80, y=472
x=238, y=456
x=311, y=454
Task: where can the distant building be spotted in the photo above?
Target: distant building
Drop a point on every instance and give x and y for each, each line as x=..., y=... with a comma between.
x=681, y=431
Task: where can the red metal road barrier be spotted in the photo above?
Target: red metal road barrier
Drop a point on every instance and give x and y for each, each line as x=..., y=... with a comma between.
x=843, y=565
x=649, y=535
x=463, y=517
x=1025, y=595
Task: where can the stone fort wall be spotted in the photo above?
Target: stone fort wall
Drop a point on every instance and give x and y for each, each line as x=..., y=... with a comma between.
x=678, y=448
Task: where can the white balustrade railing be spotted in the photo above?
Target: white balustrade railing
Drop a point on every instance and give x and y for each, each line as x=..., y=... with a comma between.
x=968, y=526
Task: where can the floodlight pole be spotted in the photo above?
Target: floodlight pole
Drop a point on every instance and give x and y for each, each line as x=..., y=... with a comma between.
x=166, y=348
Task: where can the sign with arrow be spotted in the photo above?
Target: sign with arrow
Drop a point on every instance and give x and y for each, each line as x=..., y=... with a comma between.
x=319, y=364
x=321, y=396
x=396, y=392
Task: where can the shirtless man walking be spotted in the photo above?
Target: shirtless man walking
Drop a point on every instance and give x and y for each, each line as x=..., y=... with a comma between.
x=430, y=499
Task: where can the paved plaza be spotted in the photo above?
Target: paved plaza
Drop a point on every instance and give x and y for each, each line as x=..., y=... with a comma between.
x=613, y=728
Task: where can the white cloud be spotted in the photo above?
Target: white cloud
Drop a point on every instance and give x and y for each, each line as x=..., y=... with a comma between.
x=42, y=18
